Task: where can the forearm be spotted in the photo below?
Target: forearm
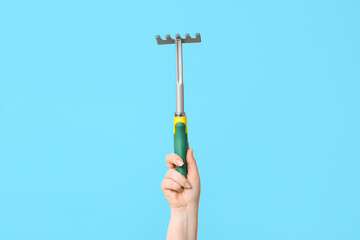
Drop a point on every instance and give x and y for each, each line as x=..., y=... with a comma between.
x=183, y=223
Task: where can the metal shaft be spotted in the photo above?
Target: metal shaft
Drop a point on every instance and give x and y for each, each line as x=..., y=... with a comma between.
x=179, y=66
x=179, y=80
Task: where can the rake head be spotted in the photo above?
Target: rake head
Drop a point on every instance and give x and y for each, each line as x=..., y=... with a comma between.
x=186, y=39
x=178, y=41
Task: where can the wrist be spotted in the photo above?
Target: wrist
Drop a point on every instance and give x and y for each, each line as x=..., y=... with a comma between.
x=187, y=209
x=187, y=214
x=185, y=220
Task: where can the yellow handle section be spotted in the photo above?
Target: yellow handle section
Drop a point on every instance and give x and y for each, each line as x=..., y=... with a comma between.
x=180, y=119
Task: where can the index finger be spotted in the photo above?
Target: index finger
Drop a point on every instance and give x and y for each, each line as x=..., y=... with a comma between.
x=172, y=160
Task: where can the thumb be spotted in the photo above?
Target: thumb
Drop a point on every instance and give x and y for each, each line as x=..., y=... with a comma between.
x=191, y=164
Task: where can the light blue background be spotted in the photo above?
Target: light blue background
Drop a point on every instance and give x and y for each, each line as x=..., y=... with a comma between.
x=86, y=114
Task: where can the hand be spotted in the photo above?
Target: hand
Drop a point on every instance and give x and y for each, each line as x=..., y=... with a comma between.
x=181, y=193
x=183, y=196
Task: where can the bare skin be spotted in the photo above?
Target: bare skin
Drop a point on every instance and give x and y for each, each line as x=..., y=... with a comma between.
x=183, y=196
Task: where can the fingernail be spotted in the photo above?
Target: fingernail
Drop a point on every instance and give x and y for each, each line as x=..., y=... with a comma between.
x=191, y=151
x=180, y=162
x=187, y=185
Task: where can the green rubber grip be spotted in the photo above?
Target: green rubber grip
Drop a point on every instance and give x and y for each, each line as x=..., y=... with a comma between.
x=181, y=146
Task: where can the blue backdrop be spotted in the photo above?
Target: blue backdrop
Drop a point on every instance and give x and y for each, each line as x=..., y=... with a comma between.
x=87, y=100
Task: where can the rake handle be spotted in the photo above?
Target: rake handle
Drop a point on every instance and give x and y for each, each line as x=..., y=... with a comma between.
x=181, y=142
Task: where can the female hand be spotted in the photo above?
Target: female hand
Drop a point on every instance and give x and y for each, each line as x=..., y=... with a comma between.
x=181, y=192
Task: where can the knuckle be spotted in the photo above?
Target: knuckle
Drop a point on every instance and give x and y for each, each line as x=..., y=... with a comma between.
x=171, y=156
x=163, y=184
x=168, y=156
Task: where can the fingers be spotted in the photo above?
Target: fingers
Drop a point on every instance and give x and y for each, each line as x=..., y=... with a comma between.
x=169, y=184
x=172, y=160
x=178, y=178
